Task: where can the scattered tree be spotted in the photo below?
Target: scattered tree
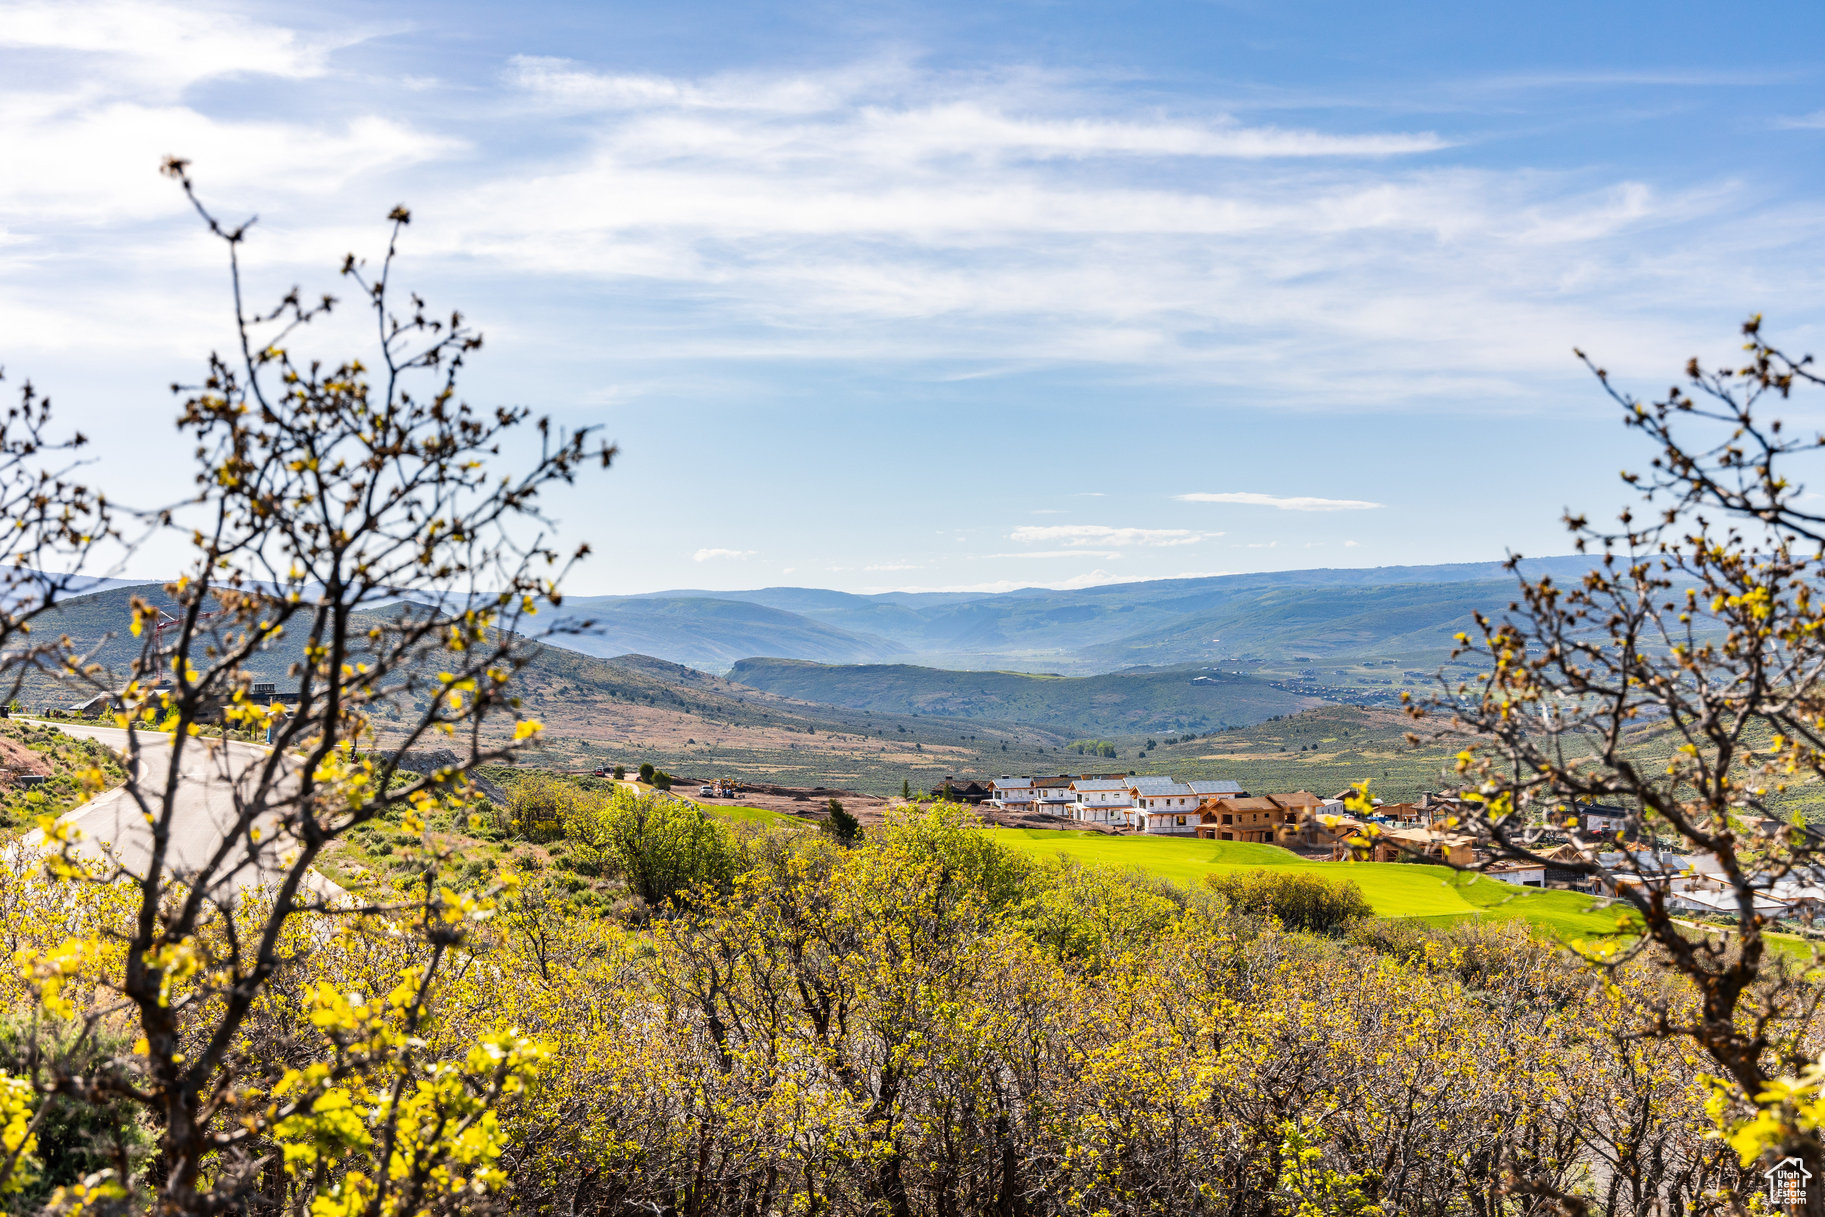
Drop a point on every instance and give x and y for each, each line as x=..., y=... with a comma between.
x=843, y=827
x=1681, y=680
x=354, y=510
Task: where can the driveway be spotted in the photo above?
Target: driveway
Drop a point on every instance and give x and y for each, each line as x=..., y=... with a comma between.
x=212, y=772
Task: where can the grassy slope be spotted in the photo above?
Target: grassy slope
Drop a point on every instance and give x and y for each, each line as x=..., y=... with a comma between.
x=1394, y=889
x=635, y=709
x=711, y=633
x=1323, y=750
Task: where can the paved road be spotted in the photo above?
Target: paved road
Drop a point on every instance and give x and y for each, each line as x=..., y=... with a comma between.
x=210, y=773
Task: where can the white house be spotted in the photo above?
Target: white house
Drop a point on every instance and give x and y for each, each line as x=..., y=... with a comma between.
x=1217, y=790
x=1101, y=800
x=1521, y=874
x=1598, y=818
x=1011, y=794
x=1163, y=805
x=1052, y=796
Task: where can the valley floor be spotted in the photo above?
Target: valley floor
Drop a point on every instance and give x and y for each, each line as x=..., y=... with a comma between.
x=1431, y=893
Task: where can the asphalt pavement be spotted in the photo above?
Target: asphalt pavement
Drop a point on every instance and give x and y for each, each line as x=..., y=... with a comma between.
x=211, y=774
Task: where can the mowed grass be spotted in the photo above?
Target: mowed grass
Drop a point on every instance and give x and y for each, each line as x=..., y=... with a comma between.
x=739, y=814
x=1431, y=893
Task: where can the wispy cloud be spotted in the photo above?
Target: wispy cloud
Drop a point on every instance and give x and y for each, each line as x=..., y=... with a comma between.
x=714, y=555
x=1296, y=502
x=964, y=125
x=1103, y=535
x=1804, y=122
x=166, y=46
x=1059, y=553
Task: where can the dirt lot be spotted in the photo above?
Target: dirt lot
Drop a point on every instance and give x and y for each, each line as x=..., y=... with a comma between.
x=798, y=801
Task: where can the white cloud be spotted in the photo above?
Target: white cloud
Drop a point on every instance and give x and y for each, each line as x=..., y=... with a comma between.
x=894, y=566
x=1282, y=502
x=1059, y=553
x=164, y=46
x=968, y=125
x=880, y=209
x=1803, y=122
x=711, y=555
x=1104, y=535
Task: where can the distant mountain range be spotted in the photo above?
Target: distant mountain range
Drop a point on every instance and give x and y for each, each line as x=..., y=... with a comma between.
x=1277, y=621
x=869, y=691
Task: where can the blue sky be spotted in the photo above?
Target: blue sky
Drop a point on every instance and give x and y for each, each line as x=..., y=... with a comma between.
x=954, y=295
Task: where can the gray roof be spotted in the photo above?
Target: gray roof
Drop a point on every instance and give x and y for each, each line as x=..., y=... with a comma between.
x=1148, y=783
x=1169, y=790
x=1012, y=783
x=1100, y=784
x=1215, y=787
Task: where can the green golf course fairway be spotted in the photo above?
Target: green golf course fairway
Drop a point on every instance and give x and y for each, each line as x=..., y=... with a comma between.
x=1394, y=889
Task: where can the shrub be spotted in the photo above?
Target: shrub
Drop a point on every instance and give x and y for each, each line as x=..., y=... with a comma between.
x=646, y=772
x=620, y=773
x=1298, y=901
x=661, y=780
x=842, y=826
x=536, y=806
x=664, y=847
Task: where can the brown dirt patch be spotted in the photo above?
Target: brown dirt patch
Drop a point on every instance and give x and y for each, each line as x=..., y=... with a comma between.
x=16, y=760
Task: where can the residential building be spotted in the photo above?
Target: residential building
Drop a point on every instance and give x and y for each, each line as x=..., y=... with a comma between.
x=1402, y=815
x=1270, y=819
x=1162, y=794
x=958, y=790
x=1402, y=845
x=1101, y=800
x=1052, y=796
x=1601, y=819
x=1165, y=814
x=1217, y=790
x=1011, y=794
x=1521, y=874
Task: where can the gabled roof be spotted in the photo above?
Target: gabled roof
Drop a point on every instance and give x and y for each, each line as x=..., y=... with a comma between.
x=1147, y=782
x=1234, y=804
x=1012, y=784
x=1166, y=790
x=1213, y=788
x=1062, y=780
x=1100, y=784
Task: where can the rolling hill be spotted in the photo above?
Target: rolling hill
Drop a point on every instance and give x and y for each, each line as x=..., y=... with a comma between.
x=637, y=708
x=1126, y=703
x=1277, y=622
x=711, y=633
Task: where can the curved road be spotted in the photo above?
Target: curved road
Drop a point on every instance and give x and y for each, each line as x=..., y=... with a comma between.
x=212, y=773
